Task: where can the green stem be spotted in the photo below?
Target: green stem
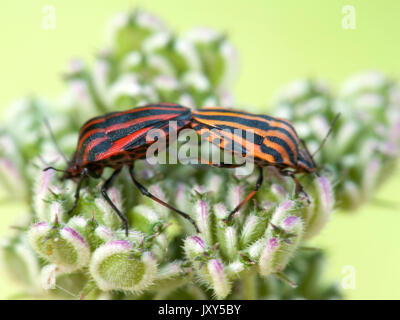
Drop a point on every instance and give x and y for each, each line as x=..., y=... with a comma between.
x=249, y=286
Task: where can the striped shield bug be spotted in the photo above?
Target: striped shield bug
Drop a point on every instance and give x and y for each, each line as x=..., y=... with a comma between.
x=274, y=142
x=117, y=139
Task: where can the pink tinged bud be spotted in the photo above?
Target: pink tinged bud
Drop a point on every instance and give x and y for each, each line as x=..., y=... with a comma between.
x=230, y=242
x=281, y=211
x=289, y=222
x=170, y=270
x=250, y=230
x=323, y=208
x=279, y=191
x=104, y=233
x=67, y=249
x=114, y=267
x=56, y=212
x=202, y=219
x=220, y=211
x=194, y=246
x=150, y=21
x=219, y=280
x=266, y=262
x=234, y=269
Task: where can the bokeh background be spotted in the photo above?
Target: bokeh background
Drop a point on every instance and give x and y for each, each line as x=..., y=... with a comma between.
x=278, y=41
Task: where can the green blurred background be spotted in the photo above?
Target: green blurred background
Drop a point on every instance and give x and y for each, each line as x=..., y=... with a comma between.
x=278, y=41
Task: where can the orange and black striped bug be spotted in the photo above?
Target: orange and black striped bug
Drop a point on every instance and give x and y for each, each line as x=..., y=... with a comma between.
x=274, y=143
x=117, y=139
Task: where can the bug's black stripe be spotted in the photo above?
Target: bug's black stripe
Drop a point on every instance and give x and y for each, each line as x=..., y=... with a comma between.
x=250, y=123
x=118, y=134
x=227, y=110
x=285, y=146
x=274, y=153
x=114, y=118
x=114, y=136
x=248, y=135
x=232, y=144
x=137, y=143
x=302, y=158
x=80, y=153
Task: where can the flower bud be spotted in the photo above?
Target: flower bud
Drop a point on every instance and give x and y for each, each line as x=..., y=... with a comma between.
x=64, y=247
x=114, y=266
x=321, y=210
x=203, y=220
x=280, y=247
x=219, y=280
x=194, y=246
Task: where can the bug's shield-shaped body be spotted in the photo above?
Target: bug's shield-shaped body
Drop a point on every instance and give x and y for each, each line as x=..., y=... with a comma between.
x=267, y=140
x=118, y=138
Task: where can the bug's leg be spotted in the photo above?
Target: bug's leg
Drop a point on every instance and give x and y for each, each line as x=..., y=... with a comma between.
x=106, y=185
x=77, y=191
x=146, y=193
x=298, y=186
x=250, y=195
x=222, y=164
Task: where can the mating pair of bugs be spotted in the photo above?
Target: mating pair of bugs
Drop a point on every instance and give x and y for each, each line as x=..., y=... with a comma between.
x=117, y=139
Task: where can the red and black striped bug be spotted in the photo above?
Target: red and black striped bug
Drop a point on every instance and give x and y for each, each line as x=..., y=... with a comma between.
x=119, y=138
x=275, y=143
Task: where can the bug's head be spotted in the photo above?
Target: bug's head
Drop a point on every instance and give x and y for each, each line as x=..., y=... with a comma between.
x=73, y=171
x=306, y=162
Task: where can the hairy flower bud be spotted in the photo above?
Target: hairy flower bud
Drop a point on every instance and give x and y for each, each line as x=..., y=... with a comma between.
x=114, y=266
x=64, y=247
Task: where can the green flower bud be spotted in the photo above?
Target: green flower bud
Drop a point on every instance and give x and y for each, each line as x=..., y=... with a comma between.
x=279, y=249
x=319, y=212
x=219, y=279
x=63, y=247
x=116, y=266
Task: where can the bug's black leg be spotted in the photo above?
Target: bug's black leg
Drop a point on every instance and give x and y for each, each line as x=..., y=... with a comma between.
x=222, y=164
x=78, y=189
x=250, y=195
x=106, y=185
x=298, y=186
x=146, y=193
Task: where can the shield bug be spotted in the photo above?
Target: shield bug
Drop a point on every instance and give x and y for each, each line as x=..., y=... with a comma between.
x=116, y=140
x=274, y=142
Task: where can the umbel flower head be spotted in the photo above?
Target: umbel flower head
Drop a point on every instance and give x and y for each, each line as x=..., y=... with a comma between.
x=365, y=143
x=86, y=254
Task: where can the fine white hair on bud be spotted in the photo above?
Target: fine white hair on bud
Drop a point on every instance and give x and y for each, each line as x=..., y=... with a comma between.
x=63, y=247
x=115, y=266
x=267, y=263
x=322, y=208
x=194, y=246
x=203, y=220
x=279, y=248
x=219, y=279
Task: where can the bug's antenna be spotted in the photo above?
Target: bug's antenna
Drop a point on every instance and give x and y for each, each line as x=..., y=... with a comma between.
x=55, y=169
x=327, y=135
x=47, y=123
